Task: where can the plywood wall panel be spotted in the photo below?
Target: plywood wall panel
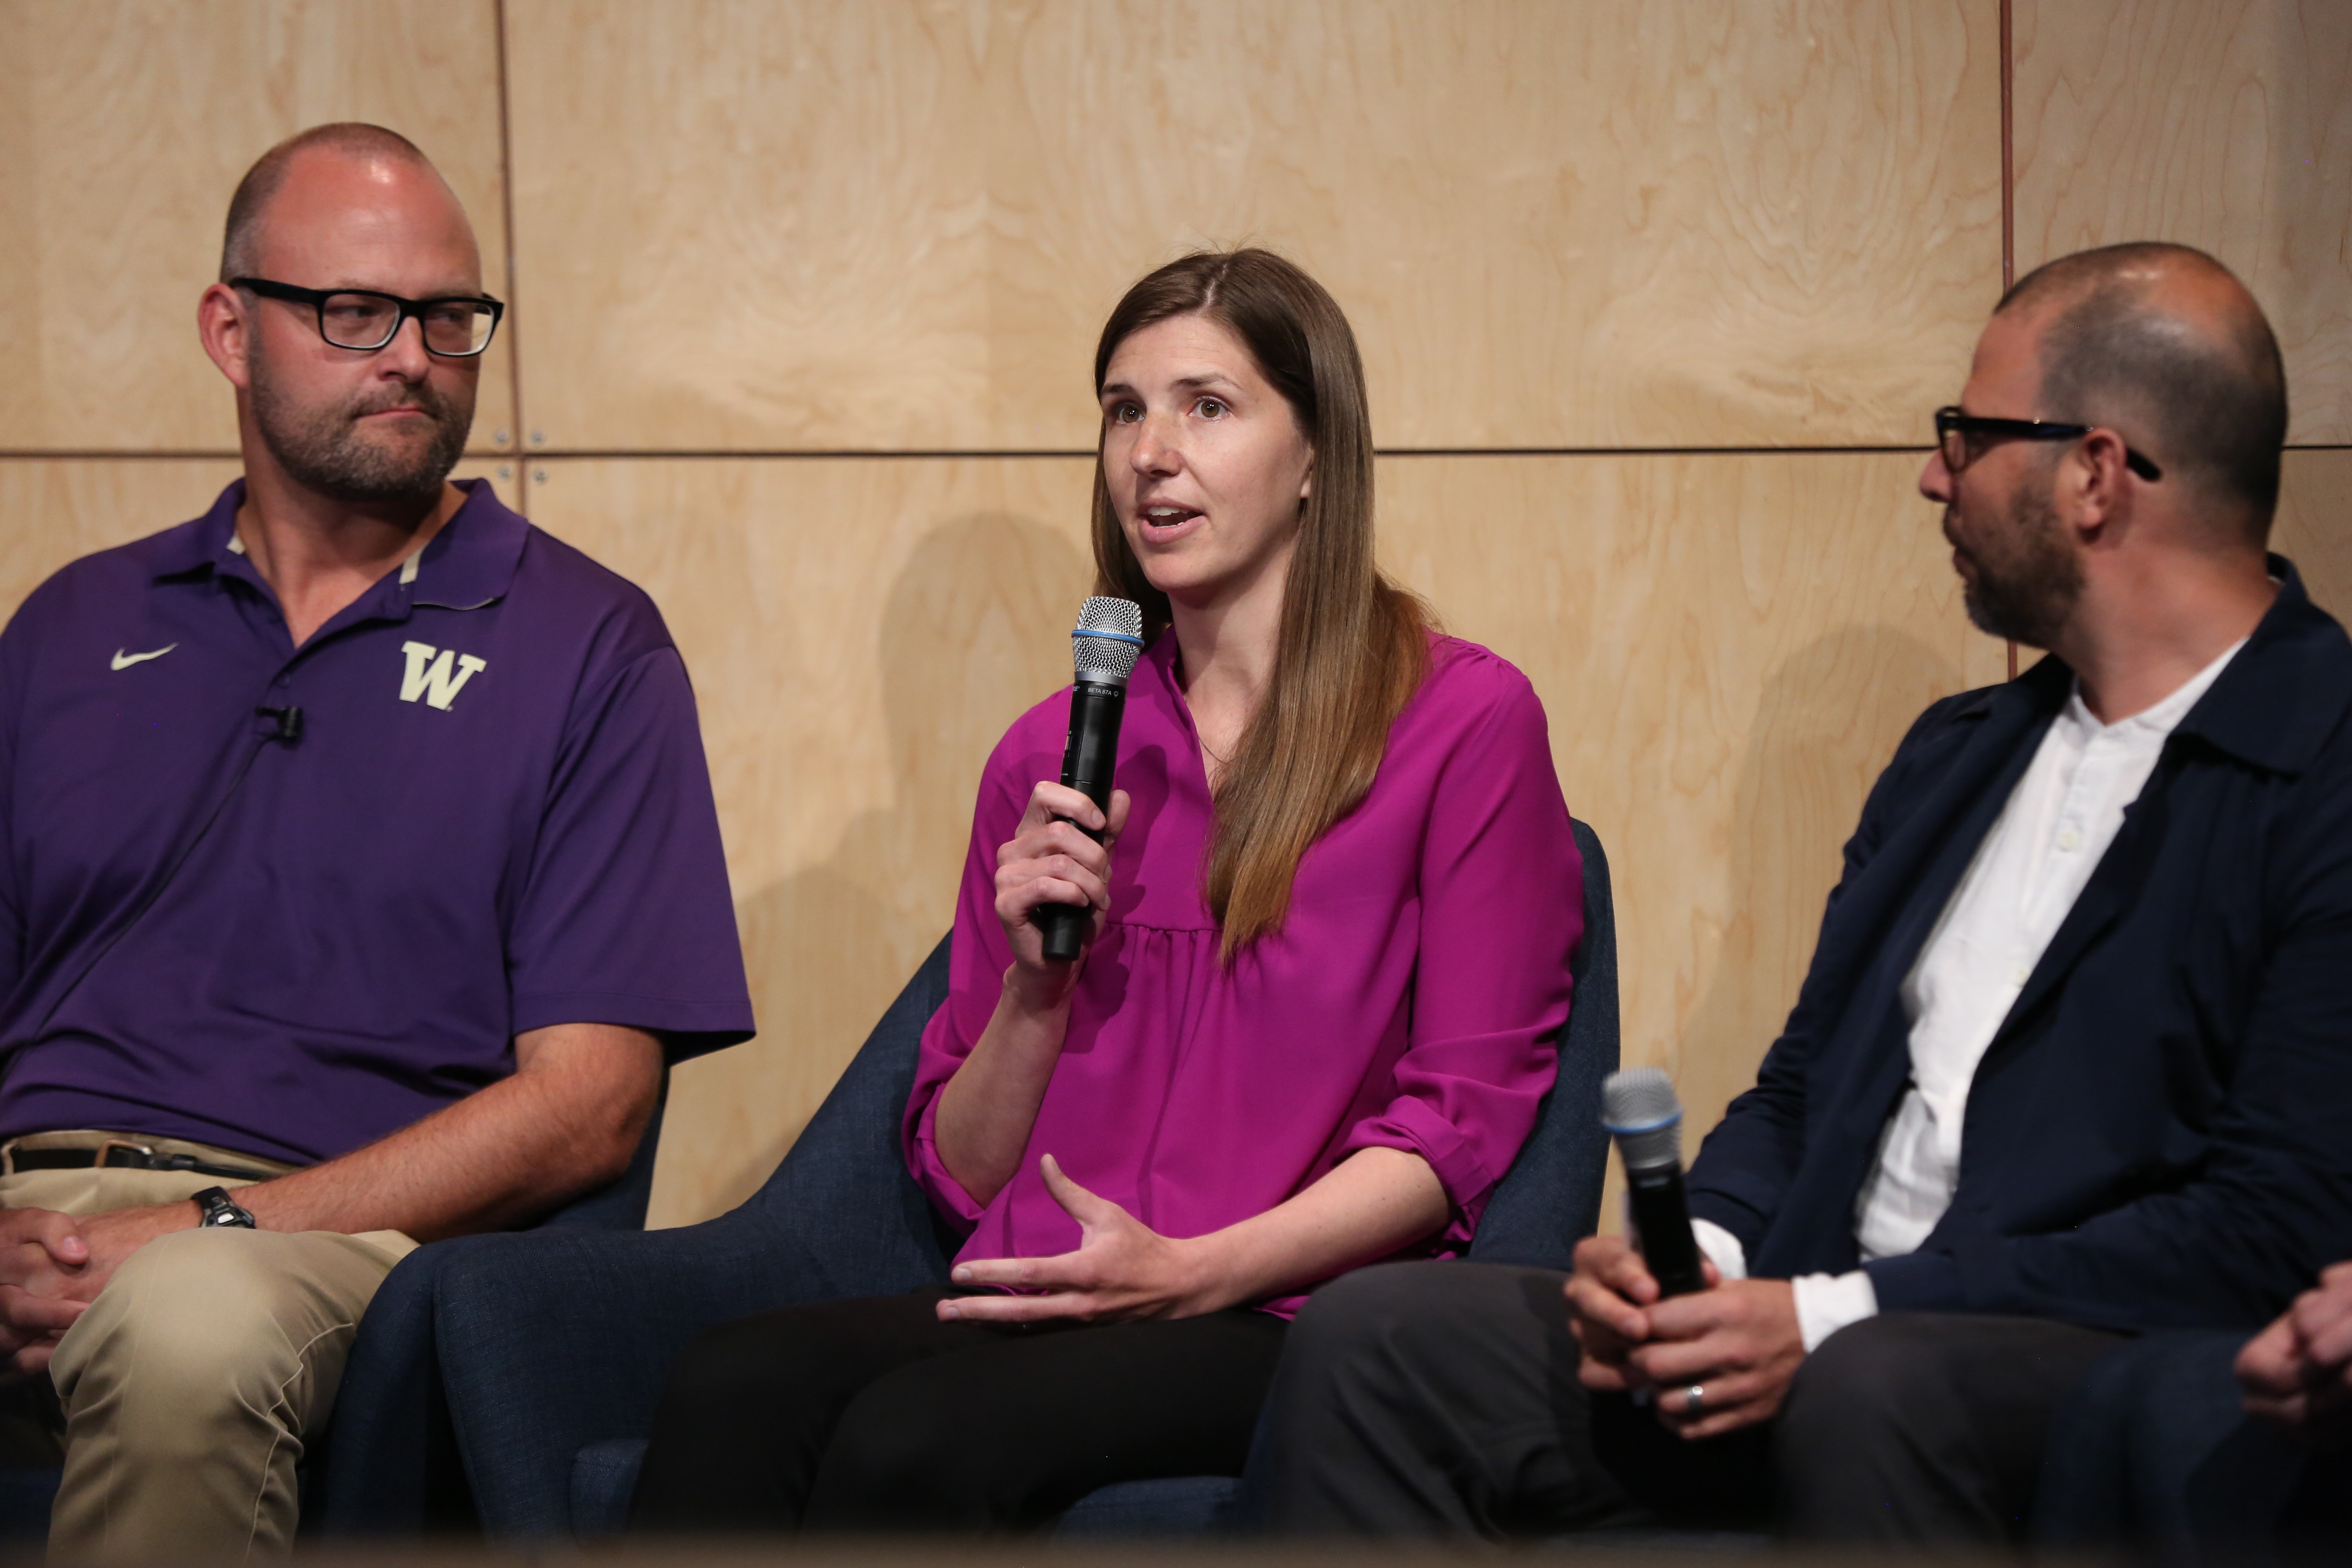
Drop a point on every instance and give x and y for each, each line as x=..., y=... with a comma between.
x=2314, y=528
x=124, y=127
x=2225, y=124
x=1729, y=648
x=899, y=227
x=52, y=513
x=860, y=633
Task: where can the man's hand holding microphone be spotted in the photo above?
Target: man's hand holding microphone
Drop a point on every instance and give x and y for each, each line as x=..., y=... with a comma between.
x=1713, y=1354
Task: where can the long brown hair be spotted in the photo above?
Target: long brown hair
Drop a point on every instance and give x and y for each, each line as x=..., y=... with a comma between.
x=1354, y=647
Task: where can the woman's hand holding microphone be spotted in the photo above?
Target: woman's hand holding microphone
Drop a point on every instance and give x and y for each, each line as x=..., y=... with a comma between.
x=1049, y=861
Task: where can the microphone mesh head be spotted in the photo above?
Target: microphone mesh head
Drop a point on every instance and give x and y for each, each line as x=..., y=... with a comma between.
x=1108, y=640
x=1639, y=1106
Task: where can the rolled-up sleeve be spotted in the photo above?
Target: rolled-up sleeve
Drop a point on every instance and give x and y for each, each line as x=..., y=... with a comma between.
x=1501, y=910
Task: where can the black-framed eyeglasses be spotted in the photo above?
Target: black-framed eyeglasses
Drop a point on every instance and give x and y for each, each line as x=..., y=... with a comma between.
x=457, y=326
x=1954, y=430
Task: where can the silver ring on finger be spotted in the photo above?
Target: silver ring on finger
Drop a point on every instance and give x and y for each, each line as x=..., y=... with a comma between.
x=1695, y=1400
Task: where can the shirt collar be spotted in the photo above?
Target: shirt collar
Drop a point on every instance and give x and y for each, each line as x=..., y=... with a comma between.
x=2284, y=695
x=2274, y=705
x=470, y=563
x=2158, y=719
x=201, y=546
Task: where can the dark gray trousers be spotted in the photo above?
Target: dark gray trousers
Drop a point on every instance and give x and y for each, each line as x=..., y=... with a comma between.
x=1424, y=1399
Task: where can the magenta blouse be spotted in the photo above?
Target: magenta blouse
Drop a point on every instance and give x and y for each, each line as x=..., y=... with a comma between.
x=1408, y=1002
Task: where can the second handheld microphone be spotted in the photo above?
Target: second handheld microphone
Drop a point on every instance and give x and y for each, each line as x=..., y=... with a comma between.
x=1639, y=1109
x=1103, y=645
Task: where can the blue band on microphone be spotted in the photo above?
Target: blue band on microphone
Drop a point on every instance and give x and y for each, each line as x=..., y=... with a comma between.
x=1617, y=1131
x=1107, y=636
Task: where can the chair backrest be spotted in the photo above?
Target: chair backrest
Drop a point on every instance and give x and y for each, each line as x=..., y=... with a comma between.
x=388, y=1465
x=844, y=1194
x=1551, y=1197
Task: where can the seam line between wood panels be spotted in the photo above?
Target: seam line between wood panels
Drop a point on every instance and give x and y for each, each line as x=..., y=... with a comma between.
x=97, y=454
x=225, y=454
x=519, y=448
x=945, y=454
x=175, y=454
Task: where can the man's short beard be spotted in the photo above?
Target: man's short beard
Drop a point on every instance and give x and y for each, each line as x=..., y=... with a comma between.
x=322, y=448
x=2027, y=580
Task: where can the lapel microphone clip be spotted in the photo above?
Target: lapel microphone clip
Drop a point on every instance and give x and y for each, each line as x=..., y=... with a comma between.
x=287, y=720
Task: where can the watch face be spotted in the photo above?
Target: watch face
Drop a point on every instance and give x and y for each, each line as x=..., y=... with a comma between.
x=220, y=1209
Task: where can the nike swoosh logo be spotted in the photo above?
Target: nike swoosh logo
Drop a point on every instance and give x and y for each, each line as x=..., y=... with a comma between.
x=125, y=660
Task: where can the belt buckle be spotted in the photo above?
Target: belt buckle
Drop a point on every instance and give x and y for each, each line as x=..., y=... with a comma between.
x=145, y=1155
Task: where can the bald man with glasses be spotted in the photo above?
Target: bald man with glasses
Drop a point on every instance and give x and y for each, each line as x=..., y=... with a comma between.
x=2072, y=1061
x=358, y=871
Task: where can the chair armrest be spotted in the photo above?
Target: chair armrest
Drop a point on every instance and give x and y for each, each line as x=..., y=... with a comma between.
x=1550, y=1198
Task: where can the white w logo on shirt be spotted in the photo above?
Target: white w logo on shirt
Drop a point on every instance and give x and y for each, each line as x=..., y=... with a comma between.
x=431, y=678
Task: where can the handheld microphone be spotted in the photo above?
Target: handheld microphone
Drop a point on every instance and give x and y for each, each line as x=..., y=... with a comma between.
x=1638, y=1108
x=1105, y=644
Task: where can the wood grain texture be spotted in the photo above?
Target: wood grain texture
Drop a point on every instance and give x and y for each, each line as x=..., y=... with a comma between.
x=52, y=513
x=1729, y=648
x=124, y=127
x=2314, y=527
x=2225, y=124
x=860, y=633
x=899, y=227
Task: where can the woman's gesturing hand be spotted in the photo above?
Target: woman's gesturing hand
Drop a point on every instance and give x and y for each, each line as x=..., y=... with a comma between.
x=1122, y=1271
x=1050, y=861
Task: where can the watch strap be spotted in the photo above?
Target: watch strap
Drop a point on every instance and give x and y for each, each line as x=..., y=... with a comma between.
x=215, y=1207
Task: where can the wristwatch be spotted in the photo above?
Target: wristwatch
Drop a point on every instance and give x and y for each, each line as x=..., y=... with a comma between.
x=219, y=1208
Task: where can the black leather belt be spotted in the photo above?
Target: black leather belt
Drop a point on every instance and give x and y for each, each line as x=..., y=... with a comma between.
x=126, y=1157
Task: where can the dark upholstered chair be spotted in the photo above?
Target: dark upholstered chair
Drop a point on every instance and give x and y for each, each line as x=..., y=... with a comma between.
x=391, y=1427
x=2154, y=1458
x=529, y=1365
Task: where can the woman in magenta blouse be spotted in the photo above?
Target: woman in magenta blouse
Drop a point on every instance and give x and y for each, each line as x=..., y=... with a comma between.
x=1332, y=915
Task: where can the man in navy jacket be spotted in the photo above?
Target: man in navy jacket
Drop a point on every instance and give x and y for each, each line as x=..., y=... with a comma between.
x=2074, y=1058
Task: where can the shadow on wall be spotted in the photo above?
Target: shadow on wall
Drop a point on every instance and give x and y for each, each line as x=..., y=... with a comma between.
x=1798, y=799
x=974, y=632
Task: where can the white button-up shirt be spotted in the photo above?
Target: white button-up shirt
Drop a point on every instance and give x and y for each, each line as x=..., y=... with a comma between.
x=2015, y=894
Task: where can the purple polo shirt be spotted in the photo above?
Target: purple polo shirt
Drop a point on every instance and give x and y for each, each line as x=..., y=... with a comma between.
x=496, y=818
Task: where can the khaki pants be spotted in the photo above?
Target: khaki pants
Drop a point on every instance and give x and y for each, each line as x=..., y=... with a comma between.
x=189, y=1386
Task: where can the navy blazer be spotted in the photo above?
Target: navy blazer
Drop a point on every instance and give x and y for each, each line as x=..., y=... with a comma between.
x=2160, y=1133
